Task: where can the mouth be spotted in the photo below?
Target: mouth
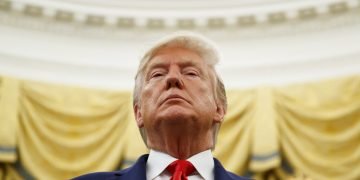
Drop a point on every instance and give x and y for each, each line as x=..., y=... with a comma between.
x=175, y=97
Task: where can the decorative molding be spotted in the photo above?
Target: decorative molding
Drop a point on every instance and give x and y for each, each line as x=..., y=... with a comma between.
x=87, y=46
x=77, y=16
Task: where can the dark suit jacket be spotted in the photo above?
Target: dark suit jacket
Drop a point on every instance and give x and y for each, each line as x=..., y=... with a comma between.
x=138, y=172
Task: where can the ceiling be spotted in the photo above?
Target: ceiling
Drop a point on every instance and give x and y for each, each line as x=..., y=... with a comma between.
x=98, y=43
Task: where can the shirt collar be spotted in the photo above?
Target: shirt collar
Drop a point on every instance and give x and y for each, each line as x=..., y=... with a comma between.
x=204, y=164
x=158, y=161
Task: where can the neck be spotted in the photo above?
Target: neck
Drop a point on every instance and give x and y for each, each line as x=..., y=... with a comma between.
x=181, y=146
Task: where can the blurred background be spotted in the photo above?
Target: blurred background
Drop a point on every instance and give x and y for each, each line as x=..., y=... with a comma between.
x=291, y=70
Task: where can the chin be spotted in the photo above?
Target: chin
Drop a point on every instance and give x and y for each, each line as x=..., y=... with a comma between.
x=176, y=115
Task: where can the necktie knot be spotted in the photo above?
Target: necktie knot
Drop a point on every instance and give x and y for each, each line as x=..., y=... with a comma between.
x=180, y=169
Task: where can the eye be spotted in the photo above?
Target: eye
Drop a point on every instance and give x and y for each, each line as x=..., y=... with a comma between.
x=191, y=73
x=156, y=74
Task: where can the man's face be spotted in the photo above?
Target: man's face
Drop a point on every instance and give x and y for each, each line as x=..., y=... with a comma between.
x=177, y=95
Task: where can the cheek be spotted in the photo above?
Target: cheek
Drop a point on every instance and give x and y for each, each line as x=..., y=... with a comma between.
x=149, y=95
x=146, y=96
x=206, y=97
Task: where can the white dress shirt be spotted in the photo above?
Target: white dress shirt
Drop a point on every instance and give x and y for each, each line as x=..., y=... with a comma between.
x=158, y=161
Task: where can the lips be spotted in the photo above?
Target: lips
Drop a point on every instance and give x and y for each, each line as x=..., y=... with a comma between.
x=174, y=96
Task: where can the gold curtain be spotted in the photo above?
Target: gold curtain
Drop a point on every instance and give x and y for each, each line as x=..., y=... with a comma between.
x=9, y=94
x=234, y=139
x=60, y=132
x=314, y=126
x=248, y=140
x=65, y=131
x=319, y=127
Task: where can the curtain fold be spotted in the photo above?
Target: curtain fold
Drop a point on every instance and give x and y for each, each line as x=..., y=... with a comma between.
x=265, y=146
x=65, y=131
x=234, y=139
x=9, y=94
x=319, y=125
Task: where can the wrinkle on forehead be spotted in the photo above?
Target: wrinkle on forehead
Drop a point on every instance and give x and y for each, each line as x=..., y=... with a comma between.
x=162, y=59
x=183, y=62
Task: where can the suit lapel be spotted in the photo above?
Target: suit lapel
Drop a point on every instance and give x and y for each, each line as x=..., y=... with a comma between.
x=135, y=172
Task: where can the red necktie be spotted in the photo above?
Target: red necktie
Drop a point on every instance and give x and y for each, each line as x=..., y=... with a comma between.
x=180, y=169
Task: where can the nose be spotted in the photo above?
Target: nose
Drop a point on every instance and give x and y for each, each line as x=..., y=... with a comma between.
x=173, y=79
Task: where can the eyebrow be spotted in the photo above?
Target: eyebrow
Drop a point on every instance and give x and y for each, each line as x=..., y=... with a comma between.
x=186, y=62
x=156, y=65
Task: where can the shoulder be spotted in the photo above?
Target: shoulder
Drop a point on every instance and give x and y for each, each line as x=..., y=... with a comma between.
x=222, y=174
x=236, y=177
x=137, y=171
x=97, y=175
x=103, y=175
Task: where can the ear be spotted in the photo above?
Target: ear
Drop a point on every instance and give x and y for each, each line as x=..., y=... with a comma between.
x=138, y=116
x=220, y=113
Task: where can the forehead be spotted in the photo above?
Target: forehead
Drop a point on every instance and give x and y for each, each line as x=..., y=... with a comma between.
x=178, y=55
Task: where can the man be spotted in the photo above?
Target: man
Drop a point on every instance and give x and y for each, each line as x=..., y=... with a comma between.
x=179, y=104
